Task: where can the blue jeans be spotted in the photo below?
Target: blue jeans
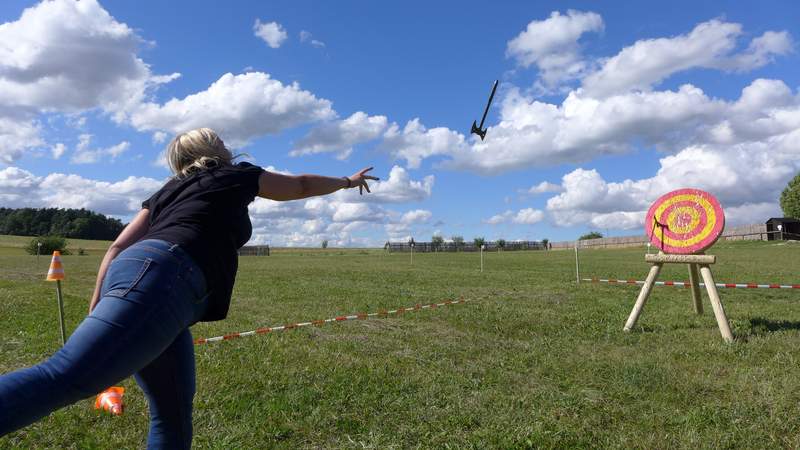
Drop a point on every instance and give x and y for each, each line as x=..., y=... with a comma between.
x=153, y=291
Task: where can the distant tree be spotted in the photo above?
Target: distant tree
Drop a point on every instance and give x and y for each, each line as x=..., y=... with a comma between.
x=324, y=243
x=437, y=242
x=501, y=244
x=545, y=241
x=458, y=241
x=790, y=198
x=71, y=223
x=591, y=235
x=49, y=245
x=478, y=241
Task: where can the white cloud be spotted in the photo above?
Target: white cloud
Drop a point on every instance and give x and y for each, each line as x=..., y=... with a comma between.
x=239, y=107
x=64, y=56
x=68, y=57
x=544, y=187
x=17, y=186
x=271, y=32
x=20, y=188
x=398, y=188
x=552, y=45
x=16, y=135
x=415, y=143
x=349, y=212
x=500, y=218
x=401, y=227
x=313, y=226
x=746, y=178
x=760, y=52
x=708, y=45
x=84, y=154
x=77, y=122
x=617, y=109
x=71, y=56
x=416, y=216
x=340, y=136
x=159, y=137
x=58, y=150
x=526, y=216
x=306, y=36
x=750, y=213
x=535, y=134
x=618, y=220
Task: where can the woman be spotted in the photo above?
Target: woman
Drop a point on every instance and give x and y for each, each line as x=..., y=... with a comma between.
x=172, y=266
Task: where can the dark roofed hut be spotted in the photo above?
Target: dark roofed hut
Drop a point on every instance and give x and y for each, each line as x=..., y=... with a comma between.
x=783, y=228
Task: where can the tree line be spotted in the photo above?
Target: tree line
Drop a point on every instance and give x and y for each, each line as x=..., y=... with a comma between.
x=71, y=223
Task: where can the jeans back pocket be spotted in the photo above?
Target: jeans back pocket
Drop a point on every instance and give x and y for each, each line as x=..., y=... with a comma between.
x=124, y=274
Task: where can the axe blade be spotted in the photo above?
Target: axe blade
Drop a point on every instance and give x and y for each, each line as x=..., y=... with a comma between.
x=477, y=130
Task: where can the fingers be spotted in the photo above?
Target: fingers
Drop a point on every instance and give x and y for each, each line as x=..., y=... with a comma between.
x=361, y=178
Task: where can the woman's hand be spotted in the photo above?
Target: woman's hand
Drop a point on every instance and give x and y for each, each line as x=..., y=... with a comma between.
x=360, y=179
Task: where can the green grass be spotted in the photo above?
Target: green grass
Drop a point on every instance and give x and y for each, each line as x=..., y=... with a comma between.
x=535, y=361
x=15, y=245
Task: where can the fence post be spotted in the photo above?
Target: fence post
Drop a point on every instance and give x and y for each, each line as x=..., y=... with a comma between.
x=577, y=271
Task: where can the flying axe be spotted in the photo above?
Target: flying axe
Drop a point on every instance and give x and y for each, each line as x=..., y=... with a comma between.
x=478, y=129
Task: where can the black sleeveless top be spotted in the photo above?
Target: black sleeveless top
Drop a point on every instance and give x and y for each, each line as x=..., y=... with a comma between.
x=206, y=214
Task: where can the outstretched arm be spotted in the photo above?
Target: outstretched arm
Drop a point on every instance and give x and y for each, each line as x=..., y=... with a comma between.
x=129, y=236
x=276, y=186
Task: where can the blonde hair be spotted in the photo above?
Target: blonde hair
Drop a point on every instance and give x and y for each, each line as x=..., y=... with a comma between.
x=197, y=150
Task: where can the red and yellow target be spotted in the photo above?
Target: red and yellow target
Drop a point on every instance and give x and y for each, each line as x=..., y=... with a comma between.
x=685, y=221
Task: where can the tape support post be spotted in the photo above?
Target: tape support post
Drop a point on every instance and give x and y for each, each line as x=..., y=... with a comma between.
x=358, y=316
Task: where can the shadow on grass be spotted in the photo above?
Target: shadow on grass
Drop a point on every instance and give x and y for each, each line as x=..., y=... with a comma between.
x=760, y=326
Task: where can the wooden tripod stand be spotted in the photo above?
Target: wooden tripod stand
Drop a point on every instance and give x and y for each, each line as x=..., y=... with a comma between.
x=693, y=261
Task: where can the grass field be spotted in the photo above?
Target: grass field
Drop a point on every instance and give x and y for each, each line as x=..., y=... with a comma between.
x=535, y=361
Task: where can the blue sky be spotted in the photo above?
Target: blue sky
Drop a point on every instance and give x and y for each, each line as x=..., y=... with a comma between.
x=602, y=106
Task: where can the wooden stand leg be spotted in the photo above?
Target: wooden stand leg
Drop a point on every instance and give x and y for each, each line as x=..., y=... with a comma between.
x=716, y=303
x=695, y=283
x=643, y=294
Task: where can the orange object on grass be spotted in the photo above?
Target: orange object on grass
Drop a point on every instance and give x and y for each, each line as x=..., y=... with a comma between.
x=56, y=271
x=111, y=400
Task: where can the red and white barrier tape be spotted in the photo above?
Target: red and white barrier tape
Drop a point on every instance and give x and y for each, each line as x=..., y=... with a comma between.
x=359, y=316
x=687, y=285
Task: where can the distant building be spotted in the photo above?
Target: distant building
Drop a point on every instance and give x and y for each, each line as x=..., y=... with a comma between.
x=783, y=228
x=254, y=250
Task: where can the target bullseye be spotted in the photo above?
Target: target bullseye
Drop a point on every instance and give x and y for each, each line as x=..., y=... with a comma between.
x=684, y=221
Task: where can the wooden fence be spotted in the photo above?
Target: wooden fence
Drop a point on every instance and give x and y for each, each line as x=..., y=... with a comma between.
x=755, y=232
x=428, y=247
x=254, y=250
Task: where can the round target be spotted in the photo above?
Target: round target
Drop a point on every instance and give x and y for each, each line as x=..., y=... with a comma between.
x=684, y=221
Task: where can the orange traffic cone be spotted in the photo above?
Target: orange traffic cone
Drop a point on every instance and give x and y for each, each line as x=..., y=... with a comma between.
x=56, y=272
x=111, y=400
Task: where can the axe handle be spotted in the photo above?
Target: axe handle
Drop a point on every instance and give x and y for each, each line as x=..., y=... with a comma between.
x=486, y=111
